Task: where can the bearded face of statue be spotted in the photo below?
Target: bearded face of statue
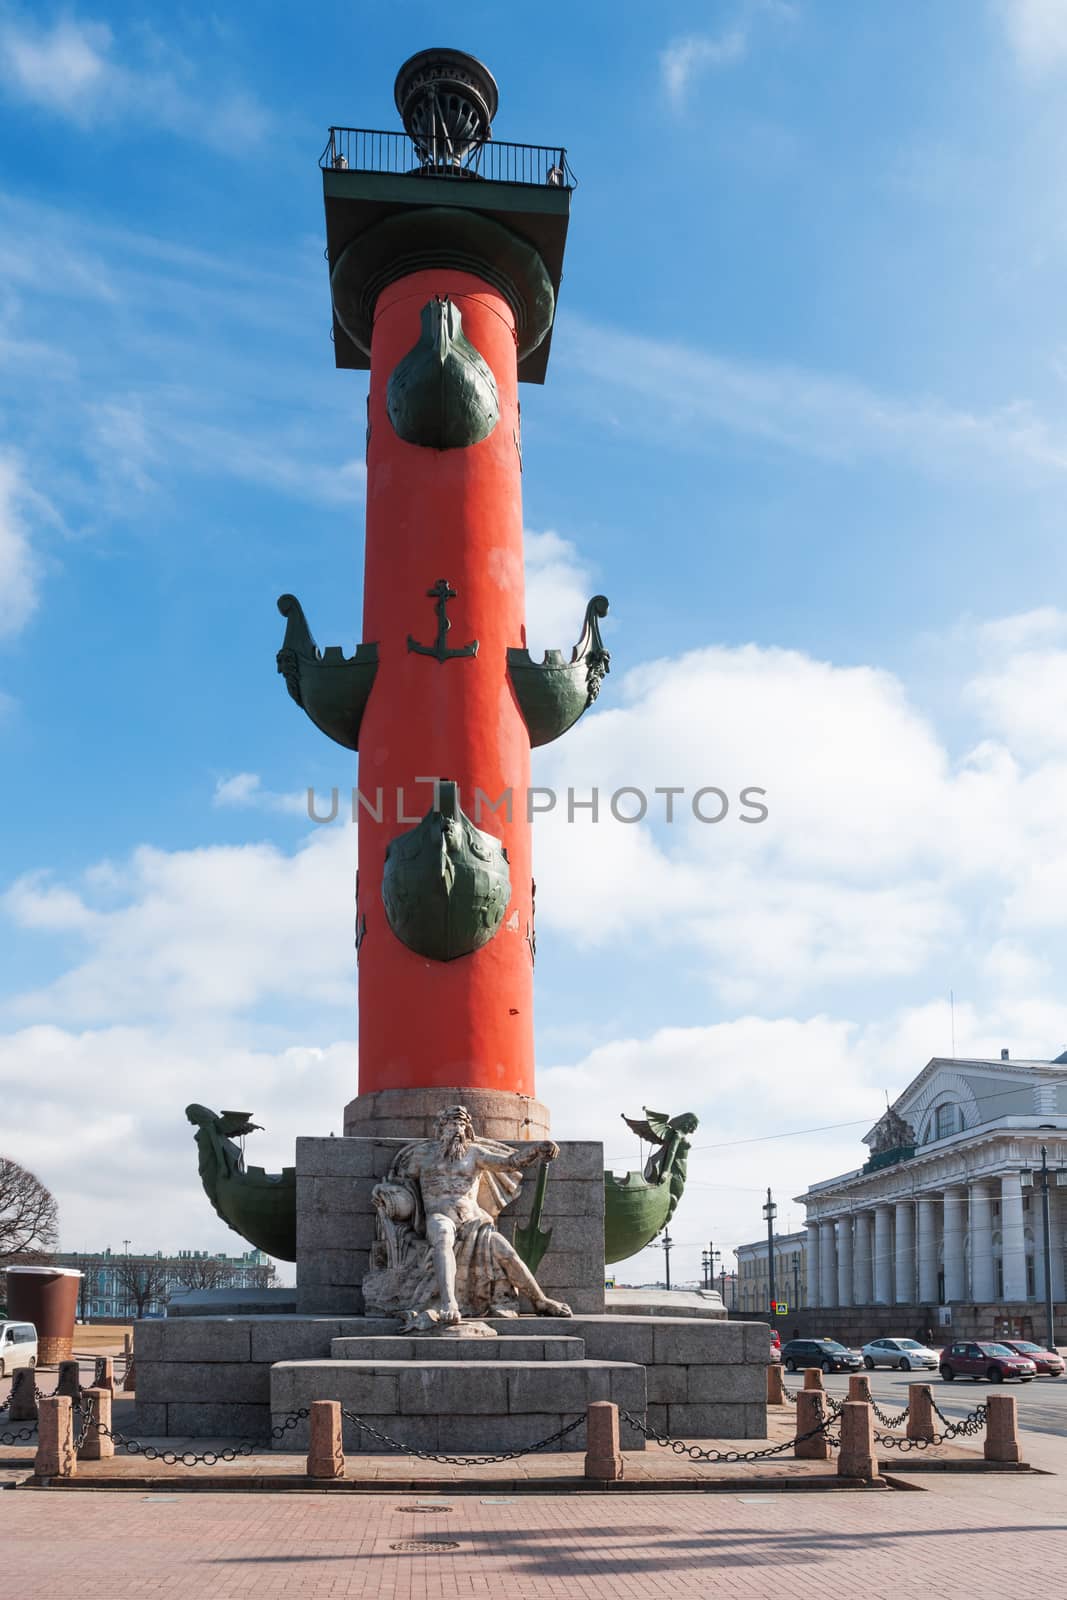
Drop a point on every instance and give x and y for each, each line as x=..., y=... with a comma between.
x=454, y=1131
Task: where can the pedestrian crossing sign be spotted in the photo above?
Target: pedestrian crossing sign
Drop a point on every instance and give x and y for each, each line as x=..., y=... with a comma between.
x=779, y=1307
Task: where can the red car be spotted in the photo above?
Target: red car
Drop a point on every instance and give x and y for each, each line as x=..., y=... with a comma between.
x=776, y=1345
x=968, y=1358
x=1049, y=1362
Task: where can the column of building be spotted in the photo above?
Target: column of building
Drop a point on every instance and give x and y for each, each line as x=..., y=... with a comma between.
x=955, y=1228
x=827, y=1264
x=1013, y=1237
x=981, y=1239
x=844, y=1261
x=862, y=1282
x=904, y=1254
x=926, y=1222
x=883, y=1255
x=812, y=1265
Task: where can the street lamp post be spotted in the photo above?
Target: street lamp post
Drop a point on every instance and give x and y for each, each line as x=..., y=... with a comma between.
x=1050, y=1311
x=770, y=1211
x=668, y=1245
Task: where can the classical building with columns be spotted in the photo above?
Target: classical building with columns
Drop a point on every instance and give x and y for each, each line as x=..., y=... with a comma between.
x=946, y=1217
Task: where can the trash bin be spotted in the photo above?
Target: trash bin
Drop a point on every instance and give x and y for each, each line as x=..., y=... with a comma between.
x=47, y=1297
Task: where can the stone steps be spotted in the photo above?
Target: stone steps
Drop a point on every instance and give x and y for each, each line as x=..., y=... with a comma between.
x=456, y=1405
x=438, y=1348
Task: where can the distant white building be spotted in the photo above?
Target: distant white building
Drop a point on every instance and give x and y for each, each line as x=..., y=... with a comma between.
x=948, y=1208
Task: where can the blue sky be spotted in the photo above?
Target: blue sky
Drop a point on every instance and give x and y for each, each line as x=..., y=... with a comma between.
x=805, y=424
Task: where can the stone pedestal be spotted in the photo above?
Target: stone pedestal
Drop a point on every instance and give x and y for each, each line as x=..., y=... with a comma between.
x=335, y=1220
x=410, y=1113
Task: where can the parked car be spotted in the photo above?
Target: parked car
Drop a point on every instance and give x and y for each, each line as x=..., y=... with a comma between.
x=904, y=1354
x=984, y=1359
x=18, y=1346
x=1048, y=1362
x=824, y=1353
x=776, y=1345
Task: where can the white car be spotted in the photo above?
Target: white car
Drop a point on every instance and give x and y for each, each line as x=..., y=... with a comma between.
x=18, y=1346
x=906, y=1355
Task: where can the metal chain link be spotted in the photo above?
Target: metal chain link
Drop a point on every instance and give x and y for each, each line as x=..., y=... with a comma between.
x=883, y=1417
x=463, y=1461
x=19, y=1436
x=968, y=1426
x=695, y=1453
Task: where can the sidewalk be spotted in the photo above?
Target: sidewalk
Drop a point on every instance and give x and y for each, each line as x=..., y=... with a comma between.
x=112, y=1546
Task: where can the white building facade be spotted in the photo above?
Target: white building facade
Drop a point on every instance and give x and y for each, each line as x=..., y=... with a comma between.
x=949, y=1209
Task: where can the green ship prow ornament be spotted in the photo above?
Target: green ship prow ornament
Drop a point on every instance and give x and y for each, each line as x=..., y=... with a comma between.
x=442, y=394
x=639, y=1206
x=446, y=884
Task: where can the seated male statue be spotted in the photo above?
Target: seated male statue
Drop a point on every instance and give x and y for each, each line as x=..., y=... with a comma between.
x=438, y=1256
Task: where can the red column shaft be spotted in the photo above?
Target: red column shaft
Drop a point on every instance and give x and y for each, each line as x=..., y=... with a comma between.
x=454, y=514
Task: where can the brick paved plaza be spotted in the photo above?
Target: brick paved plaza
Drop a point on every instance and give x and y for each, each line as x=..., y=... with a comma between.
x=976, y=1538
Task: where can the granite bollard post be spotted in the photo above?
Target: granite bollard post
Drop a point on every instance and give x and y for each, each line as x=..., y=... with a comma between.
x=858, y=1387
x=775, y=1385
x=104, y=1375
x=1001, y=1429
x=603, y=1457
x=23, y=1407
x=325, y=1455
x=813, y=1378
x=69, y=1382
x=857, y=1458
x=811, y=1410
x=55, y=1456
x=920, y=1411
x=98, y=1444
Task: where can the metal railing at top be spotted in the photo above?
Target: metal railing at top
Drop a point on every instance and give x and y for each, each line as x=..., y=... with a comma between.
x=373, y=150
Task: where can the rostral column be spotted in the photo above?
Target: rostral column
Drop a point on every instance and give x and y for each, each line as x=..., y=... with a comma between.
x=445, y=251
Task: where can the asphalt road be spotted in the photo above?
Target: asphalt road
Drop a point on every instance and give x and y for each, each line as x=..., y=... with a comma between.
x=1042, y=1404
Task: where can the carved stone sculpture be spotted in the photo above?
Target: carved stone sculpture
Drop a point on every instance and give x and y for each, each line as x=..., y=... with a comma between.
x=439, y=1257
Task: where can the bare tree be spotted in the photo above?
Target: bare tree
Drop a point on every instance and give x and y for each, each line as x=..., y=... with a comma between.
x=142, y=1279
x=202, y=1272
x=29, y=1217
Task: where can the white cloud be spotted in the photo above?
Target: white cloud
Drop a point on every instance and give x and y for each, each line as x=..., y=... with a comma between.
x=73, y=69
x=558, y=589
x=686, y=59
x=245, y=792
x=63, y=68
x=209, y=932
x=688, y=393
x=1037, y=32
x=19, y=567
x=131, y=1169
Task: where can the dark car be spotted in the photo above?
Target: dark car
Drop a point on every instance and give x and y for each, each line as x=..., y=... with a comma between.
x=968, y=1358
x=1048, y=1362
x=824, y=1353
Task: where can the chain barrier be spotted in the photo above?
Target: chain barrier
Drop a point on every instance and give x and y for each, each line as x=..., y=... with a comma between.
x=20, y=1435
x=883, y=1417
x=968, y=1426
x=87, y=1408
x=463, y=1461
x=192, y=1458
x=695, y=1453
